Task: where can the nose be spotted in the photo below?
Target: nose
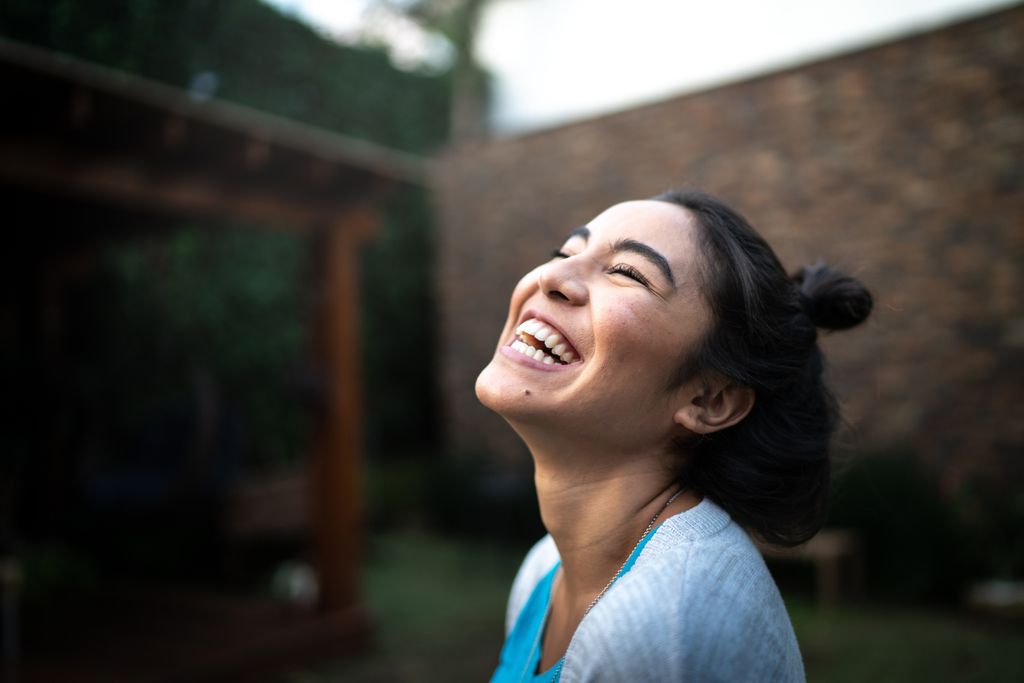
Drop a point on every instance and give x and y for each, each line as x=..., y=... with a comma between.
x=561, y=280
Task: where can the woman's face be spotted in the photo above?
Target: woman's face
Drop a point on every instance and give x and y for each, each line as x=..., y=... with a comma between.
x=617, y=309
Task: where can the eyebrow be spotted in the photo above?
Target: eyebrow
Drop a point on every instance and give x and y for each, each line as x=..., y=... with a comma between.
x=651, y=254
x=582, y=231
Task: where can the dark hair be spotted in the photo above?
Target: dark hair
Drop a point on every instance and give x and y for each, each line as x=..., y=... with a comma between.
x=771, y=470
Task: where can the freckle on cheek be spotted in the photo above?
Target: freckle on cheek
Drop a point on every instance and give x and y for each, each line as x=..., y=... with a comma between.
x=526, y=392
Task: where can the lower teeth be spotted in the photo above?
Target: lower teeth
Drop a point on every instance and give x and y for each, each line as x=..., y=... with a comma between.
x=535, y=353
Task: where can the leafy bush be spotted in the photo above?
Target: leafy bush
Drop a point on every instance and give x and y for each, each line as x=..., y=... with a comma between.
x=456, y=495
x=259, y=57
x=213, y=312
x=221, y=307
x=230, y=305
x=992, y=516
x=911, y=535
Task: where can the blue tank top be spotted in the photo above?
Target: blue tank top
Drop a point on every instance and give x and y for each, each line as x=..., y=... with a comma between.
x=520, y=655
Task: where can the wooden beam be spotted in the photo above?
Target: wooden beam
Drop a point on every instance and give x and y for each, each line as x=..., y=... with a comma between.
x=134, y=182
x=81, y=109
x=321, y=173
x=143, y=98
x=173, y=132
x=256, y=155
x=336, y=462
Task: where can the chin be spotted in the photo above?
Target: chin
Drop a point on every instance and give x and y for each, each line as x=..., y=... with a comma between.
x=488, y=388
x=505, y=395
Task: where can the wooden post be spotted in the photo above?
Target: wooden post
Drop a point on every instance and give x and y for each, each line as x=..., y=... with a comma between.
x=336, y=462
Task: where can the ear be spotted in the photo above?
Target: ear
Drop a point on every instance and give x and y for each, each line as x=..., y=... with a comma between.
x=712, y=406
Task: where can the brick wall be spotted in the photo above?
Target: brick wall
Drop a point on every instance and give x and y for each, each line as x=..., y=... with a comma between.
x=901, y=164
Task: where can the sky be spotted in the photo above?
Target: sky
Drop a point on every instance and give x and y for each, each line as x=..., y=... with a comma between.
x=557, y=61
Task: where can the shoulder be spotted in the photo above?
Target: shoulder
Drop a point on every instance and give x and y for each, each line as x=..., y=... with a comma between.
x=699, y=604
x=537, y=563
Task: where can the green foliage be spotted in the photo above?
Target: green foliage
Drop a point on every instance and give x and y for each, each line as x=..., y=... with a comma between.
x=260, y=57
x=897, y=645
x=399, y=328
x=52, y=572
x=992, y=516
x=239, y=328
x=911, y=535
x=440, y=605
x=228, y=306
x=456, y=494
x=225, y=306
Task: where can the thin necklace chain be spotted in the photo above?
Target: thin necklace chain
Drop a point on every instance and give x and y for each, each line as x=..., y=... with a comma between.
x=640, y=540
x=561, y=662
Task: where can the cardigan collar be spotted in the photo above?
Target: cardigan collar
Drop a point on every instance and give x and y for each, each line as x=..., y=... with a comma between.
x=703, y=520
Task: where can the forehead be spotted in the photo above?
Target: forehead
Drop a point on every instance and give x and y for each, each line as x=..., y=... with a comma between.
x=668, y=228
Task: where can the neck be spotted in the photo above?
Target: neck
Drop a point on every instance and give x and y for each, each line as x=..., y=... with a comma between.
x=596, y=506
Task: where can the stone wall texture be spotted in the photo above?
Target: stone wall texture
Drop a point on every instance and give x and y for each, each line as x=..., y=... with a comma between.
x=902, y=164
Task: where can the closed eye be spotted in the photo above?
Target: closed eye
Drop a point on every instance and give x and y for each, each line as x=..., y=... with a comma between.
x=558, y=253
x=630, y=272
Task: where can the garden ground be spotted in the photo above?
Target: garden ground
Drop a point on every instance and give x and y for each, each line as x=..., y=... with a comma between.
x=439, y=608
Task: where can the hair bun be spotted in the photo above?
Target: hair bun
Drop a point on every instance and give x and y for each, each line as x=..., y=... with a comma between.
x=832, y=300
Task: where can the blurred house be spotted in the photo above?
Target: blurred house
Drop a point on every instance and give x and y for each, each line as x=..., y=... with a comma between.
x=900, y=164
x=89, y=156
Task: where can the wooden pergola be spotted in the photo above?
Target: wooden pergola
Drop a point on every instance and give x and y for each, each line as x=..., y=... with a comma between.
x=75, y=130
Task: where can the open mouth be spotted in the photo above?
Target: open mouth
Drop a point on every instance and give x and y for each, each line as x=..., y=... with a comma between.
x=538, y=340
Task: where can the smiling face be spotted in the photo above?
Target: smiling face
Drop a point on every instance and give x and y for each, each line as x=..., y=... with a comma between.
x=617, y=309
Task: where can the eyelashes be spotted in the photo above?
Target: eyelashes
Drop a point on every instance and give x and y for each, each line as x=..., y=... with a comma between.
x=619, y=268
x=630, y=272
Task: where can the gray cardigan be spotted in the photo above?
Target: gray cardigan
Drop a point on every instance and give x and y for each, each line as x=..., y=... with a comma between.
x=698, y=605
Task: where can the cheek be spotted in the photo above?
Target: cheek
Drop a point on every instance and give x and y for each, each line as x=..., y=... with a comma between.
x=631, y=332
x=648, y=343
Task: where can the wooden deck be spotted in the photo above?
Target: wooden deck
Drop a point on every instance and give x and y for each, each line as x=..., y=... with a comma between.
x=150, y=634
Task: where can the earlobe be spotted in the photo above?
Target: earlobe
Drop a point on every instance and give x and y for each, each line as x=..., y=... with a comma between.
x=715, y=408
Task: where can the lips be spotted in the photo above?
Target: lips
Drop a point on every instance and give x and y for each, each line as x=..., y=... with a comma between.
x=542, y=341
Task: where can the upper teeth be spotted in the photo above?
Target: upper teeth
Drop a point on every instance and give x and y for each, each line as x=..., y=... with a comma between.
x=542, y=333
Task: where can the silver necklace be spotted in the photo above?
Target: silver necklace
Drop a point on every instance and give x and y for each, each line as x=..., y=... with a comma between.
x=650, y=525
x=640, y=540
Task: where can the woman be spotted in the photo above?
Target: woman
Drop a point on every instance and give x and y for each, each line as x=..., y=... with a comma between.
x=663, y=370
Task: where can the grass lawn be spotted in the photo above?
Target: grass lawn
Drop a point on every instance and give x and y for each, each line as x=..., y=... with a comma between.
x=885, y=645
x=439, y=605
